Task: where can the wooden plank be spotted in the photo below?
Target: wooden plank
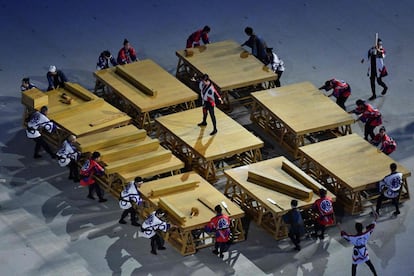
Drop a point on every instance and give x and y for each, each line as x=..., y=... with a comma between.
x=207, y=203
x=34, y=98
x=171, y=210
x=140, y=84
x=289, y=189
x=80, y=91
x=173, y=188
x=111, y=137
x=301, y=176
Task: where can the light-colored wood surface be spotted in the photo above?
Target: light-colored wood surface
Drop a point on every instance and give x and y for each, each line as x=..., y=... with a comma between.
x=352, y=160
x=222, y=62
x=231, y=138
x=187, y=199
x=303, y=108
x=169, y=90
x=34, y=99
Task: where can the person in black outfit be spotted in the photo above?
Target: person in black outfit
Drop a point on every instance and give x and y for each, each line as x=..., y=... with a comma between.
x=296, y=225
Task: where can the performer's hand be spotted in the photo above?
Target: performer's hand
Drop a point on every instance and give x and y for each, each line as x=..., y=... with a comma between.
x=362, y=60
x=221, y=100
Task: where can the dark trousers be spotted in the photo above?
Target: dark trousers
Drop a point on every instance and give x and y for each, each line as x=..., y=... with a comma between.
x=130, y=211
x=395, y=202
x=156, y=242
x=295, y=238
x=341, y=102
x=319, y=228
x=379, y=81
x=41, y=143
x=73, y=170
x=369, y=264
x=369, y=130
x=279, y=75
x=95, y=187
x=210, y=109
x=221, y=247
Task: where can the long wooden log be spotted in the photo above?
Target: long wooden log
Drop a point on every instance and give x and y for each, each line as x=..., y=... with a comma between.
x=301, y=176
x=173, y=188
x=120, y=70
x=210, y=205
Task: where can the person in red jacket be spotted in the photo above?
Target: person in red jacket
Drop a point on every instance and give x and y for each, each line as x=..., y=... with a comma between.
x=90, y=168
x=194, y=39
x=385, y=143
x=323, y=207
x=368, y=115
x=341, y=91
x=127, y=53
x=220, y=224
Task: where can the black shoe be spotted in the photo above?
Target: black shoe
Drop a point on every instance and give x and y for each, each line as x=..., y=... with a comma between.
x=53, y=156
x=121, y=221
x=202, y=124
x=76, y=180
x=154, y=252
x=215, y=252
x=70, y=177
x=36, y=156
x=103, y=200
x=91, y=197
x=162, y=248
x=321, y=237
x=135, y=224
x=384, y=91
x=221, y=255
x=373, y=97
x=213, y=132
x=297, y=248
x=396, y=213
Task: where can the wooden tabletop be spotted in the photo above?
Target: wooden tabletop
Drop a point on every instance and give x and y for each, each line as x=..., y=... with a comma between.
x=169, y=90
x=222, y=62
x=271, y=167
x=184, y=200
x=303, y=108
x=231, y=138
x=351, y=159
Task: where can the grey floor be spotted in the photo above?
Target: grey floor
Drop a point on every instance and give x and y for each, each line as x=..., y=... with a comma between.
x=48, y=227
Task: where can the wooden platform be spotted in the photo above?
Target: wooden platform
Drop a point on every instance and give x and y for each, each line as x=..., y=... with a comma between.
x=227, y=70
x=350, y=167
x=127, y=152
x=142, y=87
x=299, y=114
x=199, y=150
x=266, y=206
x=178, y=194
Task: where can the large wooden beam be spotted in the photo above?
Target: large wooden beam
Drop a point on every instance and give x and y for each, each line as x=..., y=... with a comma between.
x=173, y=188
x=207, y=203
x=140, y=84
x=301, y=176
x=278, y=185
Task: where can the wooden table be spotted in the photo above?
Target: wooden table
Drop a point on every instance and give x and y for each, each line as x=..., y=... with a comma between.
x=143, y=87
x=227, y=70
x=199, y=150
x=253, y=198
x=294, y=112
x=350, y=167
x=177, y=195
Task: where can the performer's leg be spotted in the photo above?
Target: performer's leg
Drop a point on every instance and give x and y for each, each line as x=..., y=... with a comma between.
x=371, y=266
x=123, y=216
x=372, y=82
x=395, y=201
x=213, y=120
x=341, y=102
x=204, y=122
x=354, y=266
x=379, y=203
x=384, y=86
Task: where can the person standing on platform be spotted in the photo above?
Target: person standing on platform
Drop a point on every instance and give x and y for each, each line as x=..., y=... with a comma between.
x=151, y=227
x=377, y=69
x=341, y=91
x=385, y=143
x=208, y=93
x=276, y=64
x=39, y=121
x=90, y=168
x=359, y=241
x=296, y=225
x=368, y=115
x=26, y=85
x=130, y=197
x=68, y=155
x=220, y=224
x=194, y=39
x=390, y=188
x=323, y=207
x=257, y=44
x=55, y=78
x=127, y=54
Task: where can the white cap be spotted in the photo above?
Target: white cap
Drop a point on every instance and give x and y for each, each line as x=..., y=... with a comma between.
x=52, y=69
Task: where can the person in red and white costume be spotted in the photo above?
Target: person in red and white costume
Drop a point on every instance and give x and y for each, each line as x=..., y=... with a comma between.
x=341, y=91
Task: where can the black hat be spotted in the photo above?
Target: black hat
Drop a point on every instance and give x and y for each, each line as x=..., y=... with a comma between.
x=218, y=209
x=138, y=179
x=126, y=41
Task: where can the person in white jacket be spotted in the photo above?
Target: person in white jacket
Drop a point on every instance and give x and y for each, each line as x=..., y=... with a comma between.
x=276, y=65
x=39, y=121
x=151, y=227
x=68, y=155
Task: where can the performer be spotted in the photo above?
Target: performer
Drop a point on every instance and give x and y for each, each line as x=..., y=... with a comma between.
x=127, y=53
x=341, y=91
x=390, y=188
x=194, y=39
x=377, y=69
x=207, y=91
x=385, y=143
x=130, y=197
x=220, y=224
x=151, y=227
x=257, y=44
x=55, y=78
x=360, y=240
x=325, y=213
x=104, y=60
x=296, y=225
x=90, y=168
x=26, y=85
x=39, y=121
x=368, y=115
x=68, y=154
x=276, y=64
